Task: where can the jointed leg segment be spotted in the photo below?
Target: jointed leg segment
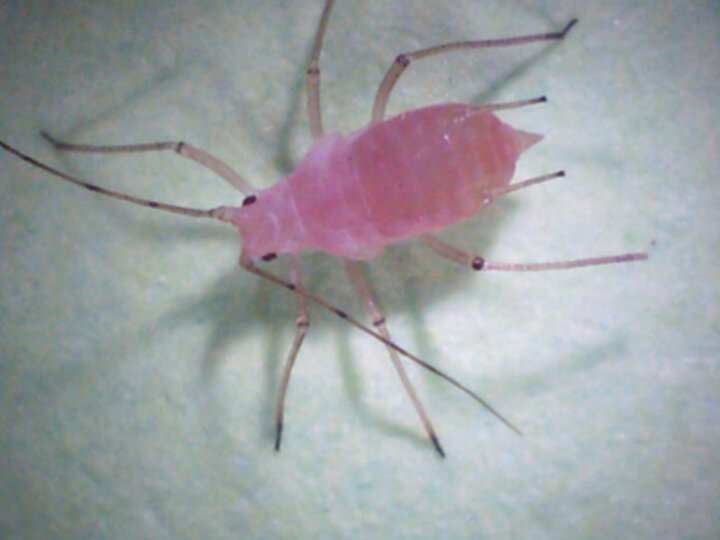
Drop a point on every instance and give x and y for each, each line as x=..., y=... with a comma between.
x=186, y=150
x=476, y=262
x=313, y=75
x=362, y=287
x=401, y=63
x=302, y=324
x=404, y=60
x=247, y=263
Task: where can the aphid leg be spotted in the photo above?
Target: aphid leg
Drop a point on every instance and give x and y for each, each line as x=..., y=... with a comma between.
x=313, y=75
x=186, y=150
x=362, y=287
x=214, y=213
x=247, y=263
x=402, y=61
x=302, y=324
x=464, y=258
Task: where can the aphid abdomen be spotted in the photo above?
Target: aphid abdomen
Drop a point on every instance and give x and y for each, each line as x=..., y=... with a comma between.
x=427, y=169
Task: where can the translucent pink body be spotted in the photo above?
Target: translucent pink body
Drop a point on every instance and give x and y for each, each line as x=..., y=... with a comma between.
x=411, y=175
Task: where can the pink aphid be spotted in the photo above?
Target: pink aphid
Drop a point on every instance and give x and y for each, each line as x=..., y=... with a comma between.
x=392, y=181
x=414, y=174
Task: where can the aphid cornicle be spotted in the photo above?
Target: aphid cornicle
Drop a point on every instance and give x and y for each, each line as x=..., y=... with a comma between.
x=391, y=181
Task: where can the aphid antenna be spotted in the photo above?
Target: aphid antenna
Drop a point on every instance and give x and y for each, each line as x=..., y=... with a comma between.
x=155, y=205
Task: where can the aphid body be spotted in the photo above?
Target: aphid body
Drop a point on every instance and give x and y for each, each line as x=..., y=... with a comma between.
x=414, y=174
x=351, y=196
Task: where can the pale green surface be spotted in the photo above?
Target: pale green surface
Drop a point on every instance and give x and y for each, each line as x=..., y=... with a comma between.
x=139, y=364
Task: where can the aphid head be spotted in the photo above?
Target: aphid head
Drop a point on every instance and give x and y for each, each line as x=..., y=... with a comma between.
x=264, y=224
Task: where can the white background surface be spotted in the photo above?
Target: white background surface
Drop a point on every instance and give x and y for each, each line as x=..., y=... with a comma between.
x=139, y=364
